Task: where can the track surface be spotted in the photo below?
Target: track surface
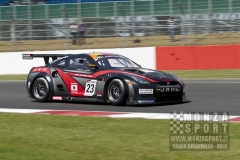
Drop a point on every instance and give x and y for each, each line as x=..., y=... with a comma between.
x=206, y=96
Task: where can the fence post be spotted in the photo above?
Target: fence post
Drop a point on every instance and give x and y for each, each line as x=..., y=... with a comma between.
x=230, y=10
x=116, y=17
x=190, y=14
x=171, y=7
x=46, y=20
x=0, y=25
x=30, y=20
x=79, y=9
x=152, y=14
x=12, y=31
x=133, y=17
x=66, y=26
x=182, y=23
x=209, y=16
x=123, y=25
x=98, y=15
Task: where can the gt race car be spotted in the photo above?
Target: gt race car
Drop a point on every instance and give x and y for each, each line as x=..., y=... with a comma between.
x=101, y=77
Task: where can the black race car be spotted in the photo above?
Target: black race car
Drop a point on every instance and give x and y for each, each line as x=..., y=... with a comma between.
x=101, y=77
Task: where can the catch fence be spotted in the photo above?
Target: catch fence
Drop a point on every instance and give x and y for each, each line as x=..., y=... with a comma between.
x=119, y=24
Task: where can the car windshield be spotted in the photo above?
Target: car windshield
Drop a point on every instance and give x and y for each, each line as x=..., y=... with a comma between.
x=115, y=61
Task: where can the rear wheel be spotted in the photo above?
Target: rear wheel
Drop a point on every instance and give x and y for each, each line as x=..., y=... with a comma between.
x=40, y=89
x=117, y=92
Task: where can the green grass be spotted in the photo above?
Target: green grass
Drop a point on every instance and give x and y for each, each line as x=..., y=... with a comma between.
x=13, y=77
x=38, y=137
x=228, y=73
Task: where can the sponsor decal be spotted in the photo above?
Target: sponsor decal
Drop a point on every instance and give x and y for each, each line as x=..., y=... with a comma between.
x=107, y=56
x=27, y=56
x=74, y=87
x=80, y=75
x=146, y=101
x=99, y=94
x=57, y=98
x=90, y=87
x=145, y=91
x=170, y=89
x=83, y=75
x=40, y=69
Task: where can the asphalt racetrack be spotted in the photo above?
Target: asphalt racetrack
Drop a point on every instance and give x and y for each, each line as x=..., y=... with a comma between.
x=206, y=96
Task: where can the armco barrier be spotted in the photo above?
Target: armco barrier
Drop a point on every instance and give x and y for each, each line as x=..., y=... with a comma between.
x=12, y=63
x=198, y=57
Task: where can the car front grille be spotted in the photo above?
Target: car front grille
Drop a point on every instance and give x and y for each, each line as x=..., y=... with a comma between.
x=168, y=97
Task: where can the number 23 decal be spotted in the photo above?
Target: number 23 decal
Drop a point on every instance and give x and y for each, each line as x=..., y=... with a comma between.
x=90, y=87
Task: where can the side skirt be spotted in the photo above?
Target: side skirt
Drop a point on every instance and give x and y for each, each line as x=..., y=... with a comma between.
x=76, y=99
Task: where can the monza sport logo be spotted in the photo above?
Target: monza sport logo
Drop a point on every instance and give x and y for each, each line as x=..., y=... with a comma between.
x=199, y=131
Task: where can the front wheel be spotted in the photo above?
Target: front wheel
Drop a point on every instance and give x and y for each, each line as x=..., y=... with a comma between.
x=41, y=89
x=117, y=92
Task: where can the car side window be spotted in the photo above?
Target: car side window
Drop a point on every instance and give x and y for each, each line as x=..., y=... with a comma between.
x=78, y=63
x=62, y=63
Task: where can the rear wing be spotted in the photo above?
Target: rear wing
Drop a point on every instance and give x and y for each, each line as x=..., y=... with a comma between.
x=44, y=56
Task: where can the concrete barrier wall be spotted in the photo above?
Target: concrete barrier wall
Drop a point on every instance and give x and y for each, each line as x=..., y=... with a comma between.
x=12, y=63
x=198, y=57
x=161, y=58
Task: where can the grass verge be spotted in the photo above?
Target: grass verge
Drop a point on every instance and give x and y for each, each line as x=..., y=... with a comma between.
x=228, y=73
x=13, y=77
x=35, y=137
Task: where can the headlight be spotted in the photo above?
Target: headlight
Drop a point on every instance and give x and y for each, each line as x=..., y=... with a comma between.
x=176, y=77
x=179, y=79
x=142, y=81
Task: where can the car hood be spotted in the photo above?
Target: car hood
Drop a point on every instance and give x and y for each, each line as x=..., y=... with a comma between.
x=154, y=74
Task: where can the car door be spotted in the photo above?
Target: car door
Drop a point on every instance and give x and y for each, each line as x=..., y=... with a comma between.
x=79, y=77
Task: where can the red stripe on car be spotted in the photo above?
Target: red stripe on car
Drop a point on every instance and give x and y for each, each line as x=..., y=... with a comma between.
x=73, y=86
x=99, y=73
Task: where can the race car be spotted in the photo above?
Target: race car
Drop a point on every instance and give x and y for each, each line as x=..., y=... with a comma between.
x=101, y=77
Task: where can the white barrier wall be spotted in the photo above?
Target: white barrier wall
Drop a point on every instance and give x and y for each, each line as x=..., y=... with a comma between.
x=12, y=62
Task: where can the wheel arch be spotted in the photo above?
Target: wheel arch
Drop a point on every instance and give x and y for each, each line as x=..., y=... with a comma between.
x=123, y=78
x=48, y=78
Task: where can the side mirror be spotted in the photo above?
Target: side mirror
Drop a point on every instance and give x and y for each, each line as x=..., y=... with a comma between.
x=92, y=66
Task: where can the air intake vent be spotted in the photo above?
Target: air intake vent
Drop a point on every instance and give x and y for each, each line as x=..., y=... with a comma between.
x=168, y=97
x=60, y=87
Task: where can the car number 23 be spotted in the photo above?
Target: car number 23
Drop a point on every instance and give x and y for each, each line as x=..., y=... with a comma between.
x=90, y=87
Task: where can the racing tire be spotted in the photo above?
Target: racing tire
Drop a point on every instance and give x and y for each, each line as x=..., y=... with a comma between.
x=117, y=92
x=40, y=89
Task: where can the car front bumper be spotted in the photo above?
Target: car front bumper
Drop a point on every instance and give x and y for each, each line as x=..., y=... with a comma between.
x=157, y=94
